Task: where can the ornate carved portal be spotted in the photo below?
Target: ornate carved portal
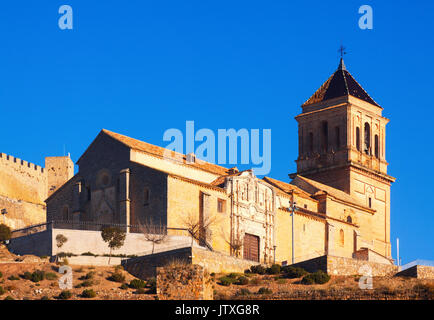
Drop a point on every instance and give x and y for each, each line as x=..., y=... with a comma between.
x=252, y=216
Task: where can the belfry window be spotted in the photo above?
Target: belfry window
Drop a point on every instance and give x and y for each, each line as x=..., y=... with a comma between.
x=338, y=138
x=325, y=136
x=358, y=138
x=310, y=142
x=376, y=147
x=367, y=147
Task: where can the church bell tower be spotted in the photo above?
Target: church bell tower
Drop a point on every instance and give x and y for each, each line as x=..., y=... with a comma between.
x=342, y=143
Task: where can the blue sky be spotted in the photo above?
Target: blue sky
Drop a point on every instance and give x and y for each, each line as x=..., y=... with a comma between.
x=141, y=67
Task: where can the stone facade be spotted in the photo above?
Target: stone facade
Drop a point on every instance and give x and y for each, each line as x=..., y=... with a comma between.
x=24, y=187
x=184, y=283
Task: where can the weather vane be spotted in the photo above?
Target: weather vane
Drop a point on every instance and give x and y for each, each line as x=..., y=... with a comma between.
x=342, y=51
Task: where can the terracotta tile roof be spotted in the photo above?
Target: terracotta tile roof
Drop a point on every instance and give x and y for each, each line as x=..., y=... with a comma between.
x=286, y=187
x=341, y=83
x=316, y=188
x=160, y=151
x=221, y=180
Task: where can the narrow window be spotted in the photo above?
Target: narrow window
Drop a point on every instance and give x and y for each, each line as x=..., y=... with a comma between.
x=325, y=136
x=338, y=137
x=65, y=213
x=221, y=205
x=349, y=219
x=370, y=202
x=342, y=237
x=358, y=138
x=146, y=196
x=367, y=148
x=310, y=142
x=377, y=154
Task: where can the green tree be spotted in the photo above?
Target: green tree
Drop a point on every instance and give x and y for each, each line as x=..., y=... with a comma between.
x=60, y=241
x=114, y=237
x=5, y=232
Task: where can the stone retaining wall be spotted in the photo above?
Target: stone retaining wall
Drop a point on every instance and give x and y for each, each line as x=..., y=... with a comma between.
x=145, y=266
x=184, y=282
x=346, y=266
x=419, y=272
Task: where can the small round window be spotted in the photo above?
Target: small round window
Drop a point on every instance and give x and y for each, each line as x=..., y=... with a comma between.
x=104, y=178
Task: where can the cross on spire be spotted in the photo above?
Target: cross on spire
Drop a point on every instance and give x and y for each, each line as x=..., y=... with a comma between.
x=342, y=51
x=341, y=62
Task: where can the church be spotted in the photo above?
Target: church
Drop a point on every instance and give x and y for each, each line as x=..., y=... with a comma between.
x=337, y=203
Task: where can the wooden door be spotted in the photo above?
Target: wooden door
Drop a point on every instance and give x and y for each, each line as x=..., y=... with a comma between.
x=251, y=247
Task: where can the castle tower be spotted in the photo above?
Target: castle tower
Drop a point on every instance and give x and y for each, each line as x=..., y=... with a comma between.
x=342, y=143
x=59, y=170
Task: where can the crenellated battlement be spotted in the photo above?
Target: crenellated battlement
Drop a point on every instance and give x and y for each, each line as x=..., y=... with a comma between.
x=14, y=161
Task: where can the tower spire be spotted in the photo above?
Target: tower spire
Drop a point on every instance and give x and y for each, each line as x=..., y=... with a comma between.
x=341, y=63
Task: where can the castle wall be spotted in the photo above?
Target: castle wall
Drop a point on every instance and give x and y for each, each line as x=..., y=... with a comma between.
x=23, y=189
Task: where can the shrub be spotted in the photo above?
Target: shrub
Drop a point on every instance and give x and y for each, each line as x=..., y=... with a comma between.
x=5, y=232
x=243, y=280
x=152, y=285
x=137, y=284
x=264, y=290
x=2, y=291
x=141, y=291
x=293, y=272
x=244, y=292
x=13, y=278
x=233, y=275
x=1, y=275
x=45, y=298
x=27, y=275
x=87, y=283
x=50, y=276
x=255, y=281
x=88, y=293
x=88, y=276
x=65, y=254
x=37, y=276
x=65, y=295
x=258, y=269
x=226, y=281
x=308, y=279
x=280, y=281
x=319, y=277
x=124, y=286
x=117, y=277
x=9, y=298
x=274, y=269
x=89, y=254
x=64, y=262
